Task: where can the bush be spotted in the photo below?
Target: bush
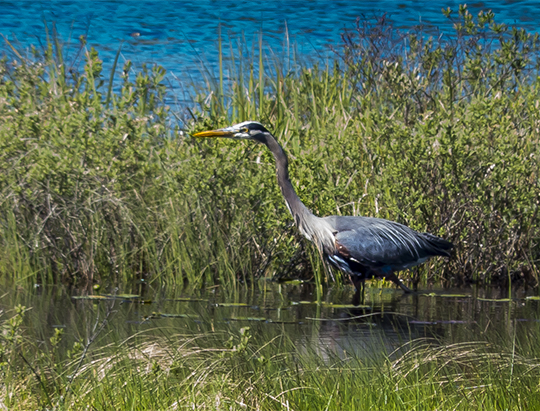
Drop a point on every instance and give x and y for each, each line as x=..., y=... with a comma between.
x=98, y=182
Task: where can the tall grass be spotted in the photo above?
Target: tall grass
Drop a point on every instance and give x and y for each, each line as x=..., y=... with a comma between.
x=99, y=184
x=236, y=368
x=438, y=134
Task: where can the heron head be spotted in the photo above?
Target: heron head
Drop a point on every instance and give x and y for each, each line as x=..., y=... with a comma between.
x=248, y=130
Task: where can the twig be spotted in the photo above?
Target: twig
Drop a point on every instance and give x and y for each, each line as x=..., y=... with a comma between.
x=38, y=377
x=96, y=331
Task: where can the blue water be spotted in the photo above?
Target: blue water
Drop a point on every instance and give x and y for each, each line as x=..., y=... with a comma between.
x=182, y=35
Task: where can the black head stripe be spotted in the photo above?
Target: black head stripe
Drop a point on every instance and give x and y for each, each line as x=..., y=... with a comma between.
x=256, y=127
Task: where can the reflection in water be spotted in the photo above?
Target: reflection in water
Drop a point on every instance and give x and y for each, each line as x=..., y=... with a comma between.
x=364, y=335
x=328, y=328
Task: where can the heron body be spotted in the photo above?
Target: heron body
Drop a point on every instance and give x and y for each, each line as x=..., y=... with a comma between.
x=362, y=247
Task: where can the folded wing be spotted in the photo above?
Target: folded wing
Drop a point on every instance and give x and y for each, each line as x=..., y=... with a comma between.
x=382, y=245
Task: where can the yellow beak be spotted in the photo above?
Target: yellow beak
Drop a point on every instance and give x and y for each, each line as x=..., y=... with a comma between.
x=214, y=133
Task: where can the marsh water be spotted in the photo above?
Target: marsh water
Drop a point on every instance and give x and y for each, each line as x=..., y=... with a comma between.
x=324, y=322
x=182, y=36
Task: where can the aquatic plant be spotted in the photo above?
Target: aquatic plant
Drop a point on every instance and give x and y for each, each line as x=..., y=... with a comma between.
x=438, y=134
x=100, y=183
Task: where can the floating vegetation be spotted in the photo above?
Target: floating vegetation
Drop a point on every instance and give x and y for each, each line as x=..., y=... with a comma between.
x=92, y=297
x=443, y=295
x=349, y=306
x=156, y=315
x=232, y=305
x=110, y=297
x=304, y=302
x=257, y=319
x=292, y=282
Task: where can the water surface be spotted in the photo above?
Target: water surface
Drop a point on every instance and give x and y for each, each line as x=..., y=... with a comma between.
x=326, y=323
x=182, y=35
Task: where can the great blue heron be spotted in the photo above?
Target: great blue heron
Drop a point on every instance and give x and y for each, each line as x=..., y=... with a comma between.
x=362, y=247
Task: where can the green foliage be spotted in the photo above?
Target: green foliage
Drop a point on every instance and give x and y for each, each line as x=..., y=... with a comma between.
x=98, y=184
x=440, y=135
x=71, y=167
x=11, y=333
x=455, y=128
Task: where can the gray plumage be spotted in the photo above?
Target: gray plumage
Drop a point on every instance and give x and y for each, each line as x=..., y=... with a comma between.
x=378, y=243
x=360, y=246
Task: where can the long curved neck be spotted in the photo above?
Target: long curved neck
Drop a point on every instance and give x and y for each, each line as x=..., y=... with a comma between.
x=303, y=217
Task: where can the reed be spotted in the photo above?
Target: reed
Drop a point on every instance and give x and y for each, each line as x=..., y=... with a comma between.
x=100, y=183
x=435, y=134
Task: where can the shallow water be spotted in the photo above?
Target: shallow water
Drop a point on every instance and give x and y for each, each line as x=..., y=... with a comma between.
x=328, y=325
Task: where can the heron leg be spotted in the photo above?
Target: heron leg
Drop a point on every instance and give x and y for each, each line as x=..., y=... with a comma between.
x=393, y=277
x=359, y=293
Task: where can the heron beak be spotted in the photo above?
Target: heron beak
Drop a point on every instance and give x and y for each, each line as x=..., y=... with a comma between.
x=215, y=133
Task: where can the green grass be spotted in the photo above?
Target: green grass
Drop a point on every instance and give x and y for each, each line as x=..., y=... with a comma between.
x=99, y=184
x=237, y=368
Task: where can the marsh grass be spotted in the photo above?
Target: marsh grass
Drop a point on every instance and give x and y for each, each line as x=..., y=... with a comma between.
x=237, y=368
x=440, y=135
x=95, y=183
x=99, y=183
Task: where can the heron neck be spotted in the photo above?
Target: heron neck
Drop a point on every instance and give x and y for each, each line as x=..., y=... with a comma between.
x=301, y=214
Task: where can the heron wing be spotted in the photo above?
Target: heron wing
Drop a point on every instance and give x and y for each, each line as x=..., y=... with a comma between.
x=384, y=245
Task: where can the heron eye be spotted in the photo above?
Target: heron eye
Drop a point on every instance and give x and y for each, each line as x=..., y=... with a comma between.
x=245, y=130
